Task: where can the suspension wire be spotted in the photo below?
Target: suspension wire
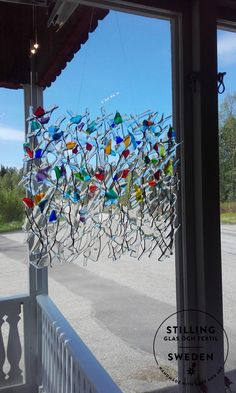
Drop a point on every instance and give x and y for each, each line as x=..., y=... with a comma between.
x=84, y=62
x=128, y=73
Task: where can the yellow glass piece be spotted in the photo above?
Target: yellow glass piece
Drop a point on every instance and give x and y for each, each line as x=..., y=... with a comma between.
x=127, y=141
x=162, y=150
x=70, y=145
x=124, y=199
x=38, y=197
x=169, y=167
x=108, y=147
x=139, y=194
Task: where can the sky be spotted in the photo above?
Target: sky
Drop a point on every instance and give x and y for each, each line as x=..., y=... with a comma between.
x=125, y=65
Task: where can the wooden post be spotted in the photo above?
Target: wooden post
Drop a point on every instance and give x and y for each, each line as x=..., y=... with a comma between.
x=38, y=277
x=199, y=277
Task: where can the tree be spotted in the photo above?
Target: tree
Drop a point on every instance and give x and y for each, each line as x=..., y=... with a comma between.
x=227, y=143
x=11, y=207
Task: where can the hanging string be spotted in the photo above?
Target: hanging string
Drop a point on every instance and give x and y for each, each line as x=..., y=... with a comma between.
x=84, y=63
x=220, y=80
x=131, y=89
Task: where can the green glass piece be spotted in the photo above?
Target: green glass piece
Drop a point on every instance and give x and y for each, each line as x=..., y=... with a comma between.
x=91, y=127
x=79, y=176
x=154, y=161
x=118, y=118
x=35, y=125
x=57, y=172
x=85, y=175
x=111, y=194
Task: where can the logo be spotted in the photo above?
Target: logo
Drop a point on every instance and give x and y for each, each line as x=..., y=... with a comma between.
x=186, y=345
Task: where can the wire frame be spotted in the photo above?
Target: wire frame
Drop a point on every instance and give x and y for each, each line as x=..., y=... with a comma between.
x=99, y=186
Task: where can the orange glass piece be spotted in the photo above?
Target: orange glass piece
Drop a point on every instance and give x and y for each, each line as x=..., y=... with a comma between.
x=107, y=148
x=38, y=197
x=70, y=145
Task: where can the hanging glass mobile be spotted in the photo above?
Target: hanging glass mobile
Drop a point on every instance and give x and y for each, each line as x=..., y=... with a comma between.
x=102, y=186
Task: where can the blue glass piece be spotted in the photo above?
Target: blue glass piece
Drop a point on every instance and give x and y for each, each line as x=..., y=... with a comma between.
x=42, y=204
x=57, y=136
x=115, y=178
x=76, y=119
x=119, y=139
x=38, y=153
x=75, y=197
x=53, y=216
x=52, y=130
x=133, y=141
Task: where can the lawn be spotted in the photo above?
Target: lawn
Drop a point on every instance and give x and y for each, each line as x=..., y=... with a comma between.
x=228, y=212
x=10, y=226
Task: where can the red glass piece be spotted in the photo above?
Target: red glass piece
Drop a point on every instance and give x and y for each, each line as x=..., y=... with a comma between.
x=152, y=183
x=89, y=146
x=100, y=176
x=28, y=202
x=39, y=112
x=157, y=174
x=126, y=153
x=29, y=152
x=155, y=147
x=125, y=173
x=75, y=150
x=92, y=187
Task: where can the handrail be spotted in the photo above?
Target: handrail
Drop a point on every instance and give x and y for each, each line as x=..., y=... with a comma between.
x=98, y=379
x=13, y=299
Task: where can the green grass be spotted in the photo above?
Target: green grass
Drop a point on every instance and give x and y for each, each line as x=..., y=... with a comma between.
x=228, y=218
x=228, y=212
x=10, y=226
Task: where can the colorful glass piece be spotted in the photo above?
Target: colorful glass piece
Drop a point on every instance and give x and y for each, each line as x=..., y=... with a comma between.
x=118, y=118
x=125, y=153
x=71, y=145
x=111, y=194
x=53, y=216
x=100, y=176
x=28, y=202
x=127, y=141
x=118, y=139
x=39, y=112
x=125, y=173
x=38, y=197
x=152, y=183
x=35, y=125
x=107, y=148
x=42, y=205
x=38, y=153
x=28, y=150
x=75, y=119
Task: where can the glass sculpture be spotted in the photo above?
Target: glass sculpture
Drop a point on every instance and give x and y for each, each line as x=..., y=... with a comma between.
x=107, y=185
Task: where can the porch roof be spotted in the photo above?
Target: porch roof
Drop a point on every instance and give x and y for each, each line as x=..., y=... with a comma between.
x=57, y=48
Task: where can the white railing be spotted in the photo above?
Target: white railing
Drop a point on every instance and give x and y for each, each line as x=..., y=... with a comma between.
x=15, y=344
x=67, y=365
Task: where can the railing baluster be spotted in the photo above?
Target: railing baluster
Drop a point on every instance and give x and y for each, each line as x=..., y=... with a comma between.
x=14, y=350
x=68, y=365
x=2, y=353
